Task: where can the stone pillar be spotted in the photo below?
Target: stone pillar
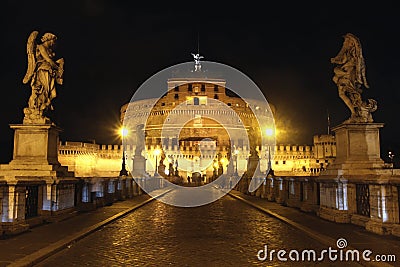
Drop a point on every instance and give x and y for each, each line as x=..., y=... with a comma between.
x=47, y=197
x=13, y=210
x=271, y=190
x=396, y=204
x=382, y=208
x=334, y=200
x=281, y=190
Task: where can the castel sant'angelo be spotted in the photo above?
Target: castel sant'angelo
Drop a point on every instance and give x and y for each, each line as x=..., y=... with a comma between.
x=189, y=129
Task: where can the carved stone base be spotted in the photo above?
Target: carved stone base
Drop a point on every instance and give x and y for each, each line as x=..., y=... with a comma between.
x=357, y=146
x=35, y=144
x=34, y=116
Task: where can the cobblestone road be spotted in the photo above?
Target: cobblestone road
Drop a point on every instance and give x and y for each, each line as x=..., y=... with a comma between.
x=224, y=233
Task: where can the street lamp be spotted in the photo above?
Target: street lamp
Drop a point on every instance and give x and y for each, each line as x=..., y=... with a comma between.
x=269, y=132
x=156, y=153
x=123, y=132
x=236, y=153
x=391, y=156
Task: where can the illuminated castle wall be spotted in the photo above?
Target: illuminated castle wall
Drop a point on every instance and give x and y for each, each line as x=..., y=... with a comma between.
x=105, y=160
x=88, y=160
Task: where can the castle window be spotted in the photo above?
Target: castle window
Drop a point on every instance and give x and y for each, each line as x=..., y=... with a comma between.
x=190, y=87
x=196, y=101
x=174, y=141
x=215, y=96
x=284, y=162
x=176, y=89
x=176, y=96
x=203, y=100
x=165, y=142
x=276, y=162
x=203, y=87
x=215, y=88
x=162, y=104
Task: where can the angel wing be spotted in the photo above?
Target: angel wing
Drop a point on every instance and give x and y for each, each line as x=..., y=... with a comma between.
x=360, y=62
x=30, y=50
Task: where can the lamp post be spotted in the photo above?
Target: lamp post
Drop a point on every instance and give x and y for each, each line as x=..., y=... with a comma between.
x=156, y=152
x=391, y=156
x=223, y=163
x=123, y=133
x=236, y=153
x=269, y=132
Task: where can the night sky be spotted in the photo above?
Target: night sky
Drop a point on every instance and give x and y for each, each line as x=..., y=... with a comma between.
x=111, y=47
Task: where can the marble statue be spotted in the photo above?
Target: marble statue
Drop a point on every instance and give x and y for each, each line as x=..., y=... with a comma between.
x=43, y=73
x=349, y=76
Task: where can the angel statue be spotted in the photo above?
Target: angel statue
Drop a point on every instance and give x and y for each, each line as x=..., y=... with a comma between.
x=197, y=64
x=349, y=76
x=43, y=73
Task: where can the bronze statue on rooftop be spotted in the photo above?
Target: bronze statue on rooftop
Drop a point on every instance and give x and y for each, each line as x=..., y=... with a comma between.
x=349, y=76
x=43, y=73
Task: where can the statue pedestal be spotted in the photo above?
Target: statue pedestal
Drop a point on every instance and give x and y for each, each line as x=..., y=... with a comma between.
x=139, y=167
x=37, y=188
x=357, y=162
x=357, y=146
x=35, y=144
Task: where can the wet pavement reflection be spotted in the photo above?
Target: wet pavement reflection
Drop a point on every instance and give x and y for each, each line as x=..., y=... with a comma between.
x=224, y=233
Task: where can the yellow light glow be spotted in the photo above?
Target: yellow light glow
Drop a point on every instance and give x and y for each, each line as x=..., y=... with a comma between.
x=216, y=165
x=157, y=152
x=236, y=152
x=123, y=131
x=224, y=161
x=269, y=132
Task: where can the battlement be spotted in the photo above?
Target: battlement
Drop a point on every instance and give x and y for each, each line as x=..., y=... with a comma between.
x=206, y=148
x=293, y=148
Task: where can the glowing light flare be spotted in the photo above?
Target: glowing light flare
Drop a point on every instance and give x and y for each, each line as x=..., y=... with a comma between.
x=123, y=132
x=224, y=161
x=216, y=165
x=269, y=132
x=157, y=152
